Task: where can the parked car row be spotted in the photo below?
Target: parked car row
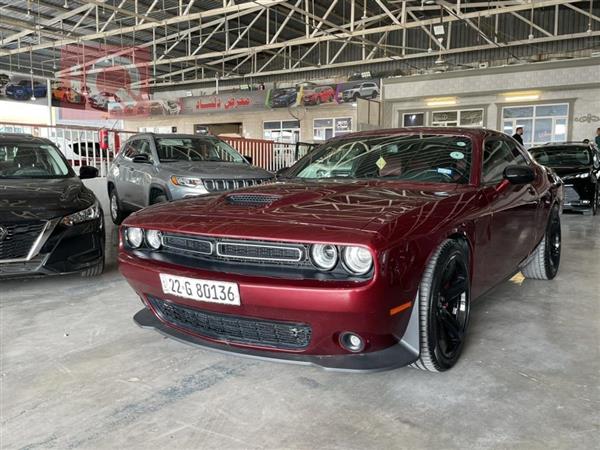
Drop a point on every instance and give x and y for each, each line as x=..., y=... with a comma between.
x=364, y=255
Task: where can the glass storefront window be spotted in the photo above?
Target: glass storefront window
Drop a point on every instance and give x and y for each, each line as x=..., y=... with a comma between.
x=413, y=119
x=324, y=129
x=541, y=123
x=463, y=118
x=287, y=131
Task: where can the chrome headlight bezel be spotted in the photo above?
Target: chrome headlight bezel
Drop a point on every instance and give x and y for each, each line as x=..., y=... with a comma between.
x=153, y=239
x=357, y=260
x=90, y=213
x=320, y=259
x=133, y=239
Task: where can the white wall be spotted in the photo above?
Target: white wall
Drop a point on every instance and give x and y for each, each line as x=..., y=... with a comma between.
x=573, y=82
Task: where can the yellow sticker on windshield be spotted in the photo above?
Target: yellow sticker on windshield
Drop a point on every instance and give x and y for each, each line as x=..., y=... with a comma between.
x=381, y=163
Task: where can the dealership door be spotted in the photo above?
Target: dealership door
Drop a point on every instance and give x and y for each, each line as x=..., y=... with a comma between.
x=513, y=210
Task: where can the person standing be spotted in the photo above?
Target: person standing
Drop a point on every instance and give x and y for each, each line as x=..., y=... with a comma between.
x=598, y=138
x=518, y=136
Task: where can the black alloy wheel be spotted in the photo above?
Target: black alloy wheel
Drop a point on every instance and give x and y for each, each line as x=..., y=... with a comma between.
x=444, y=305
x=451, y=311
x=554, y=242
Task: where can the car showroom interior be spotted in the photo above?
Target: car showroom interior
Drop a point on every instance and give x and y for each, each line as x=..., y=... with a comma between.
x=299, y=224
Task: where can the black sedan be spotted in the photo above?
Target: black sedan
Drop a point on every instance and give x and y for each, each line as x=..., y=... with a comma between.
x=50, y=223
x=578, y=165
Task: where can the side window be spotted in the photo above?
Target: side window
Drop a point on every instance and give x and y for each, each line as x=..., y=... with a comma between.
x=497, y=154
x=144, y=148
x=130, y=149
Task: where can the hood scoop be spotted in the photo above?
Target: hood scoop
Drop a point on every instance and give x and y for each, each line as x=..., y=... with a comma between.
x=251, y=200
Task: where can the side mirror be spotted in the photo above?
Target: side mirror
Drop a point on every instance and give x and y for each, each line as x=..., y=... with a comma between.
x=142, y=159
x=281, y=172
x=248, y=158
x=519, y=174
x=87, y=172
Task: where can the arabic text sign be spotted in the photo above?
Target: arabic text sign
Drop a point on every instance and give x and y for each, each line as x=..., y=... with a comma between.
x=229, y=102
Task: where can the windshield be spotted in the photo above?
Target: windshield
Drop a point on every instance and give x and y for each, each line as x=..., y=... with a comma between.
x=557, y=156
x=196, y=149
x=418, y=158
x=32, y=160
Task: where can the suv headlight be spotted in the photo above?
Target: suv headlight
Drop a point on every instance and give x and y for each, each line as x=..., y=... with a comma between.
x=187, y=181
x=91, y=213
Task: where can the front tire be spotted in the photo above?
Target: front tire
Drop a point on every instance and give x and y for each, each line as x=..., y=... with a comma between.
x=444, y=307
x=117, y=214
x=94, y=271
x=546, y=257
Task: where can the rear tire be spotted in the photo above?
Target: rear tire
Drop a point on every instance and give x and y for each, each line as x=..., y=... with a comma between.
x=444, y=307
x=117, y=214
x=546, y=257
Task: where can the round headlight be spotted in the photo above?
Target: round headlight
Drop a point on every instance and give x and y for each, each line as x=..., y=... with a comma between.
x=154, y=239
x=357, y=260
x=324, y=256
x=135, y=236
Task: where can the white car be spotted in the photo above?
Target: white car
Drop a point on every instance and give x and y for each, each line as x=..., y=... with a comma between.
x=368, y=89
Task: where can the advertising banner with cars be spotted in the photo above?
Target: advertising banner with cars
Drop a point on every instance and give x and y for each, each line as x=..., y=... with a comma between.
x=317, y=94
x=22, y=88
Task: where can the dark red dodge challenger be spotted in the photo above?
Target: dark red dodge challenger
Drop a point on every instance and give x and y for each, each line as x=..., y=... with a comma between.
x=364, y=256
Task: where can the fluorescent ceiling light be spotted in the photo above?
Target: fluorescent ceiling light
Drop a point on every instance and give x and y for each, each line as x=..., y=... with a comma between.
x=521, y=96
x=442, y=101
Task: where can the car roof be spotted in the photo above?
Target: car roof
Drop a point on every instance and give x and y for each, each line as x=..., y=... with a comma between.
x=465, y=131
x=22, y=138
x=563, y=144
x=172, y=136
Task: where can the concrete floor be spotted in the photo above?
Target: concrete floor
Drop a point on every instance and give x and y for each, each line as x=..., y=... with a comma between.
x=77, y=373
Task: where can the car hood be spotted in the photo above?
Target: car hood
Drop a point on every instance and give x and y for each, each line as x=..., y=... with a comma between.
x=301, y=211
x=42, y=199
x=213, y=169
x=567, y=171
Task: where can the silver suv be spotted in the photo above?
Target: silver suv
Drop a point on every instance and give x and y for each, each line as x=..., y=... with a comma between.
x=367, y=89
x=153, y=168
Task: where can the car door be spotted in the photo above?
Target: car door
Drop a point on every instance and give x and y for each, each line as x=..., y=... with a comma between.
x=122, y=171
x=140, y=173
x=514, y=210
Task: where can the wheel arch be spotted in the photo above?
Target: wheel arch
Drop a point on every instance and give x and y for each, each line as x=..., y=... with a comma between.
x=110, y=186
x=156, y=189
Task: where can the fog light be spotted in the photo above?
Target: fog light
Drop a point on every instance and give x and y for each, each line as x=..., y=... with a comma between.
x=352, y=342
x=154, y=239
x=135, y=236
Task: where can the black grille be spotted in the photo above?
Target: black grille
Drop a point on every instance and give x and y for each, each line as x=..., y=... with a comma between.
x=251, y=199
x=232, y=328
x=187, y=244
x=19, y=238
x=238, y=250
x=220, y=185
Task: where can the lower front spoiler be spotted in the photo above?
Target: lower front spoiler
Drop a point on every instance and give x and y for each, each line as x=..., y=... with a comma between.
x=399, y=355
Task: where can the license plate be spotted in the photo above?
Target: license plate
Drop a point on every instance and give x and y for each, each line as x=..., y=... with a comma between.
x=201, y=290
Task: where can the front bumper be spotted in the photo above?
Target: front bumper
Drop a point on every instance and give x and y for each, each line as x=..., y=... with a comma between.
x=67, y=250
x=398, y=355
x=328, y=308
